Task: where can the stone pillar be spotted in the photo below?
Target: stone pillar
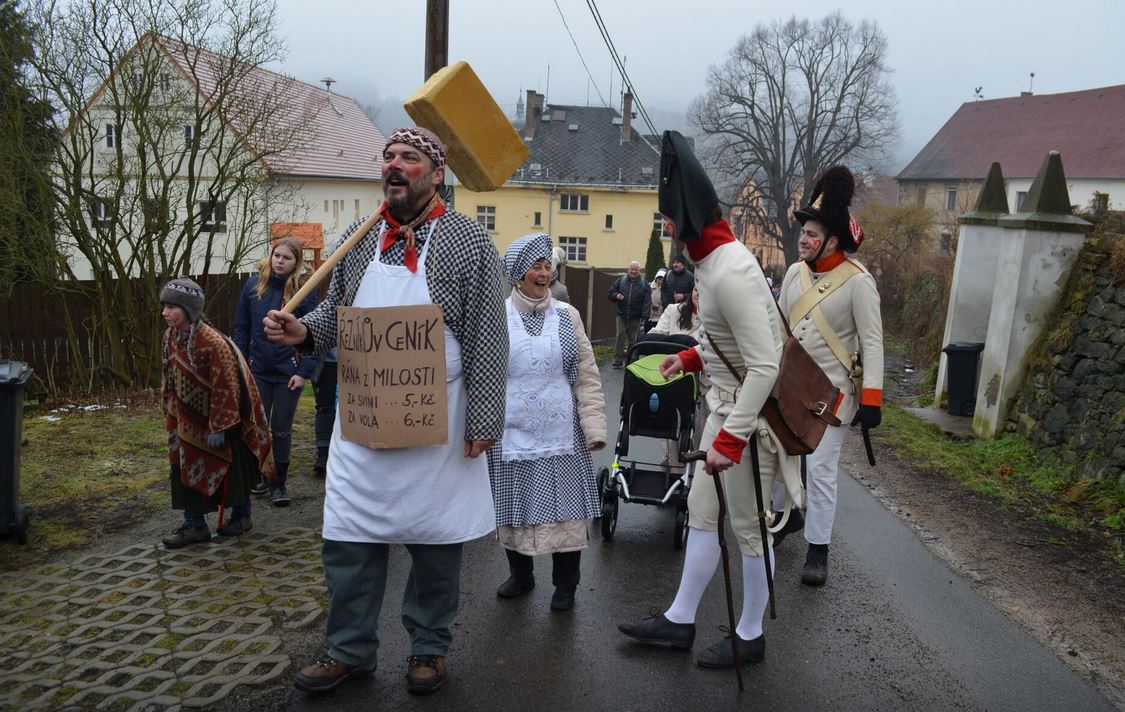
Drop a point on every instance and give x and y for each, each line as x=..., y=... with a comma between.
x=1038, y=248
x=974, y=268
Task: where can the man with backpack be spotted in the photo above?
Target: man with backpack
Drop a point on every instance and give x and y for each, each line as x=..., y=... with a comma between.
x=634, y=302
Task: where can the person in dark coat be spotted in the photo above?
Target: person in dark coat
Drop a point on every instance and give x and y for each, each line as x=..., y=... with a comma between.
x=678, y=283
x=634, y=302
x=279, y=370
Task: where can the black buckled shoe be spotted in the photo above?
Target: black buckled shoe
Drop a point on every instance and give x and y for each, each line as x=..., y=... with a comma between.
x=795, y=523
x=720, y=655
x=658, y=630
x=815, y=571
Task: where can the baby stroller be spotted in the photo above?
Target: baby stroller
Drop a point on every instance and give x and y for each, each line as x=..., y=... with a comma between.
x=652, y=407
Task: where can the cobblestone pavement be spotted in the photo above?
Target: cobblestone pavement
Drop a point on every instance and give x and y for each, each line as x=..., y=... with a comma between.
x=146, y=628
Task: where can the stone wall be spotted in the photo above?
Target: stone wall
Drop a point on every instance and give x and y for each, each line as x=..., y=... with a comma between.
x=1072, y=405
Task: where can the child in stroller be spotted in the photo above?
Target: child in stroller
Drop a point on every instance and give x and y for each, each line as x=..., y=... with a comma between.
x=652, y=407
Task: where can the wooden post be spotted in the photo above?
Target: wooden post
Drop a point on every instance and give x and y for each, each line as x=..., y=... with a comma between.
x=590, y=302
x=437, y=35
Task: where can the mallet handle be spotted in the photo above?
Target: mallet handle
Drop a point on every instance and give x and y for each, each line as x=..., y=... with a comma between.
x=326, y=269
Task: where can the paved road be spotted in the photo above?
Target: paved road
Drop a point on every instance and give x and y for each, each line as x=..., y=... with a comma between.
x=225, y=626
x=893, y=629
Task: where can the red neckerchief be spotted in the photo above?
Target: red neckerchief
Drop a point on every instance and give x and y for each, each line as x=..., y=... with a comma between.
x=714, y=235
x=829, y=263
x=395, y=229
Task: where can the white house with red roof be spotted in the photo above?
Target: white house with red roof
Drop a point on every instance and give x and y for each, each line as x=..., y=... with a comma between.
x=1085, y=127
x=308, y=159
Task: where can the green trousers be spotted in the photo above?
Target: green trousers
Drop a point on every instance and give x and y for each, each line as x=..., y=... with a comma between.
x=356, y=574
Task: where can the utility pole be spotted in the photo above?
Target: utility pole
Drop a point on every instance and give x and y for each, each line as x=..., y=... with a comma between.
x=437, y=35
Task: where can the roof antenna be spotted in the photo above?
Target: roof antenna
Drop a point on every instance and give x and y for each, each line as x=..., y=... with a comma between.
x=1031, y=82
x=328, y=82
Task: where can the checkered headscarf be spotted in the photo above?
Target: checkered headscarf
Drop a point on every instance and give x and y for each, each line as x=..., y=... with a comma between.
x=523, y=253
x=422, y=139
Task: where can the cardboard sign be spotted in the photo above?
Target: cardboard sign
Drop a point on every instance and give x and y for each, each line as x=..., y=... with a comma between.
x=392, y=376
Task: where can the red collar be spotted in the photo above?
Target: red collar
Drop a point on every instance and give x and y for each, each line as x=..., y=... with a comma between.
x=827, y=264
x=714, y=235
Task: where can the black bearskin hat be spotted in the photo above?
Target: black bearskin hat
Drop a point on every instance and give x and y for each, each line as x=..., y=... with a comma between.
x=686, y=196
x=828, y=204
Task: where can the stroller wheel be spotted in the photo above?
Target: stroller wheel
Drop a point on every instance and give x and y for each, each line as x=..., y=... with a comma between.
x=603, y=480
x=680, y=530
x=609, y=516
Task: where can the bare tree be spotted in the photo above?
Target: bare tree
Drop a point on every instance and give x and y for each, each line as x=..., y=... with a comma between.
x=792, y=99
x=171, y=129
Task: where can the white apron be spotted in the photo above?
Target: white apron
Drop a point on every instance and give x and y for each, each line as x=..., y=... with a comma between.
x=539, y=419
x=417, y=495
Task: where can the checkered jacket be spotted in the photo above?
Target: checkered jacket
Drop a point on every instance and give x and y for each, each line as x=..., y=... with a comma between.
x=464, y=278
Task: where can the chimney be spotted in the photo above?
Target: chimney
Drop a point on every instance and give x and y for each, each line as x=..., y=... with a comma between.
x=534, y=113
x=627, y=118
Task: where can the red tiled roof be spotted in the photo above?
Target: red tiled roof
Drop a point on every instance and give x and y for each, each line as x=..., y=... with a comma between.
x=308, y=234
x=1085, y=127
x=345, y=144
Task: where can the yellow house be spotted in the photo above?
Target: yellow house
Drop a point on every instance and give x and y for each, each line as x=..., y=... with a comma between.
x=590, y=183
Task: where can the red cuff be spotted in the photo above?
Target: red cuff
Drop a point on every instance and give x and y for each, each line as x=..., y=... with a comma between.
x=872, y=396
x=692, y=360
x=729, y=446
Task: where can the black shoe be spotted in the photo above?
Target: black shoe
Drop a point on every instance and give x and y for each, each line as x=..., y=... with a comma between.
x=236, y=527
x=186, y=536
x=515, y=588
x=320, y=465
x=326, y=672
x=279, y=496
x=720, y=655
x=795, y=523
x=815, y=572
x=618, y=364
x=260, y=489
x=658, y=630
x=563, y=600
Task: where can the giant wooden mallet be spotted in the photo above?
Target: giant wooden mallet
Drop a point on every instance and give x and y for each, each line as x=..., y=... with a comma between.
x=481, y=146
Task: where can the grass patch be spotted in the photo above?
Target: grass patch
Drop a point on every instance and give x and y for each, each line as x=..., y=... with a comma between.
x=1006, y=469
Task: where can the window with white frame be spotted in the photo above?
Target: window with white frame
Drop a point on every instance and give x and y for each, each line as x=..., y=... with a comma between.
x=575, y=248
x=608, y=222
x=537, y=219
x=189, y=134
x=166, y=82
x=112, y=135
x=661, y=226
x=102, y=212
x=212, y=216
x=486, y=216
x=574, y=203
x=951, y=199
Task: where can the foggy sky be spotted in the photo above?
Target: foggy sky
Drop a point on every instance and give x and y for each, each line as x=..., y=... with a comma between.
x=939, y=51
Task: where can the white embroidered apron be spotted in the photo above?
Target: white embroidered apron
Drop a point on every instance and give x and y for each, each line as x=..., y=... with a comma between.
x=416, y=495
x=539, y=416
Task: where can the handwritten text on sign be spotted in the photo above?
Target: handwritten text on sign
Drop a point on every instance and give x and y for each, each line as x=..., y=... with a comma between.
x=392, y=375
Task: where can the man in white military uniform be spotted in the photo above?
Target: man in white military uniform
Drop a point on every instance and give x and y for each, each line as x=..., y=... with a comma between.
x=833, y=307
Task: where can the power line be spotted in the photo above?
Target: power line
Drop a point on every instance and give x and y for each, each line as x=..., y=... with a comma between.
x=620, y=65
x=588, y=73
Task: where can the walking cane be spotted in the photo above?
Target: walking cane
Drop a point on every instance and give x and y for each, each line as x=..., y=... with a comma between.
x=762, y=520
x=694, y=457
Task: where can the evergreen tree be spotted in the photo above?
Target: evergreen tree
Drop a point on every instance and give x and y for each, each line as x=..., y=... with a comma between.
x=654, y=260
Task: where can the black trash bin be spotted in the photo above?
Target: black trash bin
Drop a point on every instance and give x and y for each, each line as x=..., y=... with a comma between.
x=961, y=376
x=14, y=519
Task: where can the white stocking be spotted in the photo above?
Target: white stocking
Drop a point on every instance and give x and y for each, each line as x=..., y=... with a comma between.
x=700, y=561
x=755, y=595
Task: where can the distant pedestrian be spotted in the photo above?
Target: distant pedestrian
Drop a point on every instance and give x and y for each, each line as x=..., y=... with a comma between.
x=279, y=370
x=678, y=283
x=656, y=307
x=633, y=299
x=542, y=476
x=558, y=289
x=217, y=436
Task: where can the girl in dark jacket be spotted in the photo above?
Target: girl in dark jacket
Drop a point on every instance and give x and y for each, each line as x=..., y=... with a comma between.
x=279, y=371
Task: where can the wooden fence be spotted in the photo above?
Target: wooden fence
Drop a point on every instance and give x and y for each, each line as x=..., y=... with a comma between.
x=33, y=325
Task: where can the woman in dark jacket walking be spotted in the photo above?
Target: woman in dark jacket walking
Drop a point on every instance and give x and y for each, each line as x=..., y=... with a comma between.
x=279, y=371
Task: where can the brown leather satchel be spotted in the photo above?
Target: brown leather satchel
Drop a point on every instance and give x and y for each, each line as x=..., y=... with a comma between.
x=799, y=408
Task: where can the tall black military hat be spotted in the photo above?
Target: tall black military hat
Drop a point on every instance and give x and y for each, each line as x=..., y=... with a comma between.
x=686, y=196
x=828, y=204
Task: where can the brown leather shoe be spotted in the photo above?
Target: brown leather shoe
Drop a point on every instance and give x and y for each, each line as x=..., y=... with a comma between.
x=424, y=673
x=326, y=672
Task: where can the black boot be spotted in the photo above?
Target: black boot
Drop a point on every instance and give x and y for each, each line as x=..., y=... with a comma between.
x=279, y=495
x=320, y=465
x=565, y=575
x=815, y=572
x=522, y=578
